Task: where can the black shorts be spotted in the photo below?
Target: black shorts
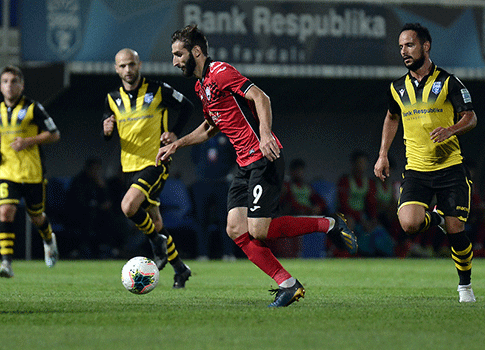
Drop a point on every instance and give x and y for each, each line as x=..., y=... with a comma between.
x=452, y=187
x=258, y=188
x=33, y=194
x=150, y=181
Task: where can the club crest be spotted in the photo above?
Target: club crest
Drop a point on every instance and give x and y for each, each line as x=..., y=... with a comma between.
x=64, y=36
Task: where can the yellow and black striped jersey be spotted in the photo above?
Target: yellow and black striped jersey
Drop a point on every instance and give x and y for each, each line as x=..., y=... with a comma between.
x=26, y=119
x=424, y=106
x=141, y=117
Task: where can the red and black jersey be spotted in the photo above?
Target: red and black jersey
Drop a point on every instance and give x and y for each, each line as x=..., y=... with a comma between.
x=222, y=90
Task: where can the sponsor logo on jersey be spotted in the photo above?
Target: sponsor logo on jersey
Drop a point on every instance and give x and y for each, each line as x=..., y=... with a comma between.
x=118, y=101
x=466, y=96
x=401, y=92
x=256, y=207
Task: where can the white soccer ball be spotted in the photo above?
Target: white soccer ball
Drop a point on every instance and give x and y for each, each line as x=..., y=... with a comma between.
x=140, y=275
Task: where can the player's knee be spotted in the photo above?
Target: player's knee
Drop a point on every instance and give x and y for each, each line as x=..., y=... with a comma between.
x=7, y=213
x=234, y=230
x=410, y=227
x=128, y=207
x=38, y=220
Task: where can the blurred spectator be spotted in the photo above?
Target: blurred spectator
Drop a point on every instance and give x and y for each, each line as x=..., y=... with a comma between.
x=214, y=161
x=358, y=202
x=89, y=215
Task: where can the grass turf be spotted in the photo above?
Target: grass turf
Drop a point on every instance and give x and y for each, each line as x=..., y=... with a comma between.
x=349, y=304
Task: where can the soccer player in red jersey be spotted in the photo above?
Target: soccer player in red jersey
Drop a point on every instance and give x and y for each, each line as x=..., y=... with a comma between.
x=232, y=104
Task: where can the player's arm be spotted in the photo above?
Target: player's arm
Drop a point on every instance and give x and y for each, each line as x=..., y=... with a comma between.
x=49, y=133
x=44, y=137
x=262, y=103
x=108, y=120
x=201, y=134
x=462, y=103
x=467, y=121
x=389, y=130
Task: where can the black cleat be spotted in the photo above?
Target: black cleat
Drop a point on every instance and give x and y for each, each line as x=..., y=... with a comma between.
x=342, y=236
x=286, y=296
x=179, y=279
x=159, y=249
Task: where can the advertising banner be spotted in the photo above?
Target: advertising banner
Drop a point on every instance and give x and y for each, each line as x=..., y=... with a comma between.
x=262, y=34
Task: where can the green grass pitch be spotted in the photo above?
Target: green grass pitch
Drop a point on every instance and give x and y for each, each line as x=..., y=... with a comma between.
x=349, y=304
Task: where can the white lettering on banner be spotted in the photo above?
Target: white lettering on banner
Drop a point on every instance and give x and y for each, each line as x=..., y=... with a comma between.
x=223, y=22
x=351, y=23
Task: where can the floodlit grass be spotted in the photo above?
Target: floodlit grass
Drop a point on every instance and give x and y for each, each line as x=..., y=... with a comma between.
x=349, y=304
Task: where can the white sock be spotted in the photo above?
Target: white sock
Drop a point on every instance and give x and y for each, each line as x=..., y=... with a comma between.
x=331, y=223
x=290, y=282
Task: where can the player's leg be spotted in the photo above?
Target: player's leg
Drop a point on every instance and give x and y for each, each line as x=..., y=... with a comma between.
x=454, y=205
x=10, y=195
x=334, y=226
x=416, y=193
x=34, y=195
x=258, y=187
x=7, y=238
x=131, y=205
x=182, y=271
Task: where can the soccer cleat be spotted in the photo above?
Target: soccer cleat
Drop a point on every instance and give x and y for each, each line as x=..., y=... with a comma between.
x=442, y=224
x=466, y=293
x=51, y=253
x=180, y=278
x=286, y=296
x=159, y=249
x=342, y=236
x=6, y=269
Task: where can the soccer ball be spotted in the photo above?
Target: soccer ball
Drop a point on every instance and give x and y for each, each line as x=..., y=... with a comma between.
x=140, y=275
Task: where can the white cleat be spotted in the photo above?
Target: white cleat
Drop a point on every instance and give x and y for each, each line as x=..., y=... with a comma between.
x=6, y=269
x=466, y=293
x=51, y=253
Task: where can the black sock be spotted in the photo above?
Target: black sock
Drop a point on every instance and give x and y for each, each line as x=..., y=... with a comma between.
x=462, y=254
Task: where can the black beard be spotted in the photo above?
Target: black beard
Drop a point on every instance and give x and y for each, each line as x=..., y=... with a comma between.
x=189, y=66
x=416, y=64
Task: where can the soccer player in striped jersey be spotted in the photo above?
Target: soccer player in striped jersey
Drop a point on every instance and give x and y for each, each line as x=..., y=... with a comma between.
x=24, y=127
x=233, y=105
x=139, y=112
x=435, y=108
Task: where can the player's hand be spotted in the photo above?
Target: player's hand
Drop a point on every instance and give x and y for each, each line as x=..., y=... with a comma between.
x=269, y=147
x=164, y=153
x=20, y=144
x=168, y=137
x=440, y=134
x=109, y=125
x=381, y=168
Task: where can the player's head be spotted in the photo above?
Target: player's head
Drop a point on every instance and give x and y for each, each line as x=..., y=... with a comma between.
x=11, y=83
x=189, y=46
x=415, y=45
x=127, y=65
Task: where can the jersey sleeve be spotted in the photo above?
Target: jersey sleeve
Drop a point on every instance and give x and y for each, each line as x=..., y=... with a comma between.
x=42, y=119
x=107, y=109
x=392, y=105
x=229, y=78
x=177, y=101
x=458, y=95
